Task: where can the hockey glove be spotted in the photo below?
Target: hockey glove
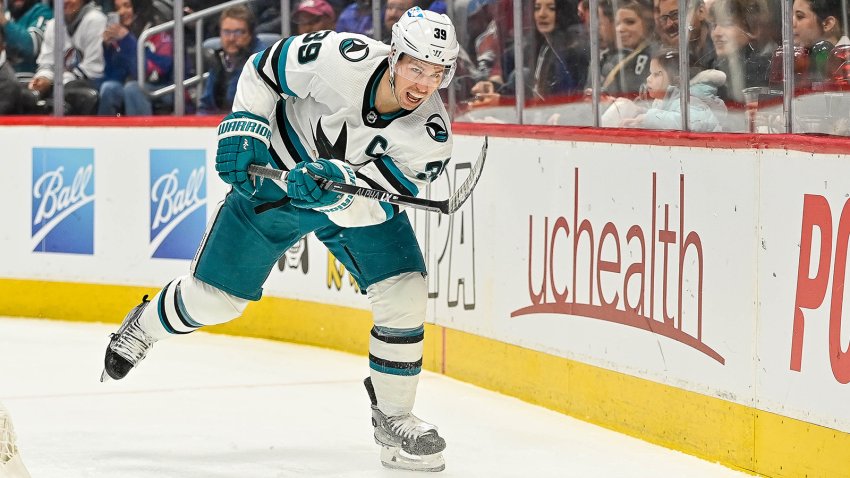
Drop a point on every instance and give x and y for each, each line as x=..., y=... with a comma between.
x=243, y=139
x=306, y=192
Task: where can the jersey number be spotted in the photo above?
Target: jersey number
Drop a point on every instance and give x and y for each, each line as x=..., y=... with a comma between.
x=439, y=34
x=310, y=51
x=433, y=169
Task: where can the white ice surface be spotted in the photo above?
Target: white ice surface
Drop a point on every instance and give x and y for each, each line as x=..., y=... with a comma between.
x=210, y=406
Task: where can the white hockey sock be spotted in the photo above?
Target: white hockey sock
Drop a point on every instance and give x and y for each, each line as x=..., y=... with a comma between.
x=395, y=361
x=187, y=304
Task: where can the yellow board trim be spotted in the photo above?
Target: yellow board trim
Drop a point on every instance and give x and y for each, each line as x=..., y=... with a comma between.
x=734, y=435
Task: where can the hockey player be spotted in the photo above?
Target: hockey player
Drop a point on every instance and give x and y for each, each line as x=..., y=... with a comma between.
x=350, y=109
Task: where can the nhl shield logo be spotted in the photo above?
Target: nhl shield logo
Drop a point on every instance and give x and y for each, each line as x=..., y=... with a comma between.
x=353, y=49
x=436, y=128
x=371, y=117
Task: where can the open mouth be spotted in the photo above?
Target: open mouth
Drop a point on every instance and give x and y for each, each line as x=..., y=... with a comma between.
x=413, y=98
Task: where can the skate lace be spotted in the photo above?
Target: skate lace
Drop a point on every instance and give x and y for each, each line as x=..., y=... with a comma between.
x=132, y=343
x=409, y=426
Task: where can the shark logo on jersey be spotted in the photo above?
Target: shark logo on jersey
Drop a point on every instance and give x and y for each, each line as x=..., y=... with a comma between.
x=353, y=49
x=436, y=128
x=325, y=148
x=295, y=257
x=63, y=200
x=178, y=198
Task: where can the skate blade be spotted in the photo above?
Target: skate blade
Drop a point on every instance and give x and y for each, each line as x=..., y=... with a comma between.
x=396, y=458
x=104, y=377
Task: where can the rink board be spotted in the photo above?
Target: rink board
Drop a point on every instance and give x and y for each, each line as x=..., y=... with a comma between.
x=648, y=284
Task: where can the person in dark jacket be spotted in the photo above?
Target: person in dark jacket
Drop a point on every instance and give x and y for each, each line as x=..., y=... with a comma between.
x=120, y=91
x=24, y=26
x=737, y=26
x=238, y=42
x=625, y=69
x=10, y=91
x=557, y=58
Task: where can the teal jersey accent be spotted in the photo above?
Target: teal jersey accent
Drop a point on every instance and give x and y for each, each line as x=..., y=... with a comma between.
x=281, y=67
x=400, y=177
x=24, y=37
x=293, y=138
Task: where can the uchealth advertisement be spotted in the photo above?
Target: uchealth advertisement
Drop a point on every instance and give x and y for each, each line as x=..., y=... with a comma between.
x=633, y=258
x=719, y=271
x=804, y=335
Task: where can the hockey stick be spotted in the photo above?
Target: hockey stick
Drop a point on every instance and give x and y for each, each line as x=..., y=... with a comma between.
x=446, y=206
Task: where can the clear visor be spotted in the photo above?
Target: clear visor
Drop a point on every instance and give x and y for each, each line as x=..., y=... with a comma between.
x=423, y=73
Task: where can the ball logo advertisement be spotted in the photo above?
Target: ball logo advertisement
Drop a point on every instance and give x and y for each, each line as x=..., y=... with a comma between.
x=63, y=200
x=178, y=199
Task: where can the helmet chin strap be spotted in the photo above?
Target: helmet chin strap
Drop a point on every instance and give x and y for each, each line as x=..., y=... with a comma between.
x=392, y=86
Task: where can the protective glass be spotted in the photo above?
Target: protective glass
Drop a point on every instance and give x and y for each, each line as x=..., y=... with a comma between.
x=420, y=72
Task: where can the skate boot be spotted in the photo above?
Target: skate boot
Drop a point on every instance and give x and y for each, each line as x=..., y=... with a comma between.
x=407, y=443
x=127, y=347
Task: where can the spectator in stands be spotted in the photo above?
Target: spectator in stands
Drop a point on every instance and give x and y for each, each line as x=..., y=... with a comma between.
x=607, y=36
x=392, y=12
x=9, y=90
x=700, y=47
x=23, y=26
x=736, y=27
x=814, y=21
x=486, y=58
x=705, y=108
x=314, y=15
x=83, y=61
x=817, y=30
x=120, y=92
x=356, y=18
x=238, y=42
x=555, y=66
x=624, y=70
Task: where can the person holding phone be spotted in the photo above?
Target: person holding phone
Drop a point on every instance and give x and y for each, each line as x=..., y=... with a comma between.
x=120, y=92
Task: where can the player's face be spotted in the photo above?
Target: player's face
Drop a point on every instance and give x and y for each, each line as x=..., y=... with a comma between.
x=235, y=35
x=416, y=80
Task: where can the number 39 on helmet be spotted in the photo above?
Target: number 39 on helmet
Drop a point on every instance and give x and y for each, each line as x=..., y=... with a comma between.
x=427, y=36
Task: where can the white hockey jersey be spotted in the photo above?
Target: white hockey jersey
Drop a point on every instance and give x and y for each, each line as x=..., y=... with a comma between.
x=83, y=47
x=318, y=92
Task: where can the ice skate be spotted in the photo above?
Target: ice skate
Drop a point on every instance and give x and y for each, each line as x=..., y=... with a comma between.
x=407, y=443
x=128, y=346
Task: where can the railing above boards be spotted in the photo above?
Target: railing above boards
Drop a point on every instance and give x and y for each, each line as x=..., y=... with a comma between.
x=179, y=58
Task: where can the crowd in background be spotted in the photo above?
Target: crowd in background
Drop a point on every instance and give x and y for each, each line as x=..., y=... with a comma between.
x=734, y=55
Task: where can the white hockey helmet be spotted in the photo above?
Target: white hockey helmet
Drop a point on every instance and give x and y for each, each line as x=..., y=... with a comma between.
x=427, y=36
